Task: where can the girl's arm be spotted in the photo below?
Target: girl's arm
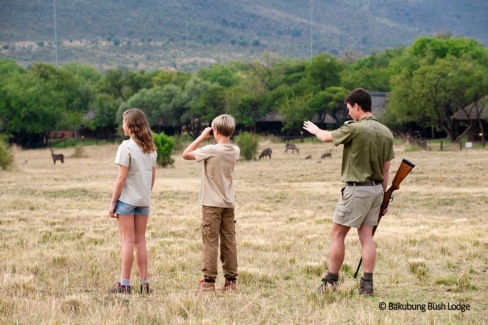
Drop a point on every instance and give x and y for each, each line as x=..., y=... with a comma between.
x=153, y=177
x=119, y=185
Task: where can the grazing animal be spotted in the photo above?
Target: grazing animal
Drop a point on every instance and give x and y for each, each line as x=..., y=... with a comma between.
x=308, y=157
x=57, y=156
x=292, y=147
x=266, y=153
x=326, y=155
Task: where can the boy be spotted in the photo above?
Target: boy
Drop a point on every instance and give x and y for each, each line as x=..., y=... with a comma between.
x=218, y=202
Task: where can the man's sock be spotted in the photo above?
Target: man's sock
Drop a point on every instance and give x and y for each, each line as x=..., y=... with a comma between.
x=368, y=277
x=333, y=276
x=125, y=282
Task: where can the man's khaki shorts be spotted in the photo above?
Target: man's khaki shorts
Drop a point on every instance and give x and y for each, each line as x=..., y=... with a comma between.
x=359, y=205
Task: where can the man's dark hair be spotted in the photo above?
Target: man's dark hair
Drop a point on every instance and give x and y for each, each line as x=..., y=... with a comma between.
x=361, y=97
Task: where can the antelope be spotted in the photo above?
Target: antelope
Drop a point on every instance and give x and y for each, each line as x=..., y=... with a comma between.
x=57, y=156
x=326, y=155
x=292, y=147
x=266, y=153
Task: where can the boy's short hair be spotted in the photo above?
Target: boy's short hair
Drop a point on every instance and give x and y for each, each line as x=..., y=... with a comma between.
x=224, y=124
x=361, y=97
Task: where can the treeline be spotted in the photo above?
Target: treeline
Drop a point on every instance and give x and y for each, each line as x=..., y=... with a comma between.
x=428, y=82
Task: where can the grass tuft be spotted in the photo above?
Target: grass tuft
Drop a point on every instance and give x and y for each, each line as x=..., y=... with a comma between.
x=73, y=305
x=418, y=268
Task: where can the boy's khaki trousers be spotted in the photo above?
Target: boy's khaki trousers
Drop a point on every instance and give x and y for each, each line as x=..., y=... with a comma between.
x=219, y=223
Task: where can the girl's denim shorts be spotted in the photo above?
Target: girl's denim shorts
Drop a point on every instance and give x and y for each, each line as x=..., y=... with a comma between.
x=127, y=209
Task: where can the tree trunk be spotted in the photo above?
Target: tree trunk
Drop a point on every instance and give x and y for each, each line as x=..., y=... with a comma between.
x=459, y=137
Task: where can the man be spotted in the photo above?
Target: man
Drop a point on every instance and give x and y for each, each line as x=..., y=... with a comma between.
x=368, y=150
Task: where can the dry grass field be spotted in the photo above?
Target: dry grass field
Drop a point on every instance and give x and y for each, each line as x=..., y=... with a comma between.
x=59, y=250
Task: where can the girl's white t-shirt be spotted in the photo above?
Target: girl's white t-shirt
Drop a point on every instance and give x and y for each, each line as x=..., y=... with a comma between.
x=137, y=187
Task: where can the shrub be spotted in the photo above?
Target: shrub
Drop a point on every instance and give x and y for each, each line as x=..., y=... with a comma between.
x=165, y=145
x=6, y=156
x=79, y=152
x=248, y=143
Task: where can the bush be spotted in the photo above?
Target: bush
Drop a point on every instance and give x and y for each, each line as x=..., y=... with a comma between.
x=79, y=152
x=248, y=143
x=6, y=156
x=165, y=145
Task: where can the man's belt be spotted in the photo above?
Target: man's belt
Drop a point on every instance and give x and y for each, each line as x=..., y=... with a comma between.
x=370, y=183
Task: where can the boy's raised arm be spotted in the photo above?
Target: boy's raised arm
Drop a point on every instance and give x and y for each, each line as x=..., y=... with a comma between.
x=188, y=153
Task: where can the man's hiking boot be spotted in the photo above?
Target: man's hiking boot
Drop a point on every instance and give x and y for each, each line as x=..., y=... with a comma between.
x=204, y=286
x=230, y=285
x=119, y=288
x=327, y=284
x=366, y=287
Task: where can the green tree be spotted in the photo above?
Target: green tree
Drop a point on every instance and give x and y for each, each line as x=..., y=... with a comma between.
x=123, y=84
x=245, y=102
x=295, y=110
x=372, y=72
x=169, y=114
x=165, y=78
x=150, y=102
x=289, y=72
x=433, y=48
x=195, y=107
x=37, y=105
x=329, y=101
x=437, y=78
x=105, y=108
x=83, y=72
x=324, y=71
x=9, y=71
x=436, y=92
x=223, y=75
x=248, y=101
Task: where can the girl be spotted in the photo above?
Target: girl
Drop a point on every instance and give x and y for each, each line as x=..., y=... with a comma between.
x=131, y=197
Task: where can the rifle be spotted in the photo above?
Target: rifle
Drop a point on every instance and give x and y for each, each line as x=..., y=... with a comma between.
x=402, y=172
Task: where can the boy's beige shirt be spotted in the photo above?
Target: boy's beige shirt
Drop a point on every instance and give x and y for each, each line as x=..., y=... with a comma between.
x=217, y=188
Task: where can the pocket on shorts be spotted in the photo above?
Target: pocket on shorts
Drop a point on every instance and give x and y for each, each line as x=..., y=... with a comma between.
x=342, y=211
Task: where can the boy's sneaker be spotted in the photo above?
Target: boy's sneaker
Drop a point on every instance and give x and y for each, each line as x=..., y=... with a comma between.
x=327, y=283
x=205, y=286
x=119, y=288
x=366, y=287
x=145, y=289
x=230, y=285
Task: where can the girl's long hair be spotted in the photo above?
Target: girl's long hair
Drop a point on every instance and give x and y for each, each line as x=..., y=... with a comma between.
x=140, y=132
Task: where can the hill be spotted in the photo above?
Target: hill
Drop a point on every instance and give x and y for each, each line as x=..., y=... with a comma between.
x=189, y=34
